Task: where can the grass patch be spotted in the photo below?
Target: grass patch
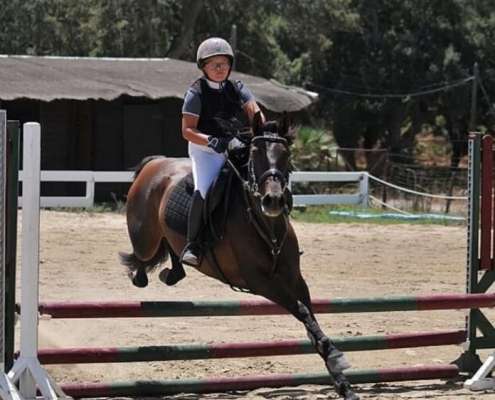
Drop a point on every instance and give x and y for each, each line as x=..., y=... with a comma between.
x=98, y=208
x=322, y=214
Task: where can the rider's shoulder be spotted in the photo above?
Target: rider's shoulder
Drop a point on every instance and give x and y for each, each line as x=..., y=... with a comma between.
x=237, y=84
x=196, y=86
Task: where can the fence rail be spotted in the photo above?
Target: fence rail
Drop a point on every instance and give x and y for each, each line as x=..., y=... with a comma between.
x=91, y=178
x=361, y=178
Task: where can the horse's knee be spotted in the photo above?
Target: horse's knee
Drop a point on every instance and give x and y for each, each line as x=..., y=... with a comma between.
x=303, y=310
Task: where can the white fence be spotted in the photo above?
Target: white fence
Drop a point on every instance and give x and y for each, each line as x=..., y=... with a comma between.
x=360, y=197
x=90, y=178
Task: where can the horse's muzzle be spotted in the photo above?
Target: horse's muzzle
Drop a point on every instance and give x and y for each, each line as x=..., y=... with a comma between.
x=273, y=204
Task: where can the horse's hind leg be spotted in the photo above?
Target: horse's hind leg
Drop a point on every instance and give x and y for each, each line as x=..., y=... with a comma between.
x=171, y=276
x=138, y=269
x=149, y=250
x=297, y=302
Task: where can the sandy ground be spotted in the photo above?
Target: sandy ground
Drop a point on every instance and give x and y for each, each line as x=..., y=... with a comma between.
x=79, y=262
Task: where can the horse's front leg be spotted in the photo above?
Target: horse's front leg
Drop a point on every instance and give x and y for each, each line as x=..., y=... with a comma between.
x=334, y=359
x=295, y=300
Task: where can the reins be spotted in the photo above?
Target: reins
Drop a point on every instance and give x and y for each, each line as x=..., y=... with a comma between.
x=250, y=192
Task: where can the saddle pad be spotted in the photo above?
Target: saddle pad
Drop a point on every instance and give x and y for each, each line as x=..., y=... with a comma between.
x=178, y=205
x=177, y=210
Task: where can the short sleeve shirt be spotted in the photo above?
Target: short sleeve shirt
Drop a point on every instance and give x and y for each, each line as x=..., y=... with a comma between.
x=192, y=99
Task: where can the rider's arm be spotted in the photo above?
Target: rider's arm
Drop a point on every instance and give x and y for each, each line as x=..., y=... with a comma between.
x=248, y=102
x=190, y=130
x=251, y=108
x=191, y=109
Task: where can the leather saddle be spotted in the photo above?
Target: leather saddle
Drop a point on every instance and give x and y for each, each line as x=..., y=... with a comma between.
x=215, y=206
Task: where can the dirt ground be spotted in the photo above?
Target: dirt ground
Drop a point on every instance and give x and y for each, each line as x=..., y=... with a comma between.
x=79, y=262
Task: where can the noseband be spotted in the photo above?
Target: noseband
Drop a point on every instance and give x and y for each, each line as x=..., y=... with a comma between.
x=256, y=182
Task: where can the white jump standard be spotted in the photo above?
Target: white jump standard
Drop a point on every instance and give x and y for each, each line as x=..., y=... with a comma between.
x=27, y=369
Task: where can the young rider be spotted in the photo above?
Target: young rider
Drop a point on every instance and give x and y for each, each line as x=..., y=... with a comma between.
x=212, y=95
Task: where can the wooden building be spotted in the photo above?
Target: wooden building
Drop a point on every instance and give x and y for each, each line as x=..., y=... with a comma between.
x=107, y=114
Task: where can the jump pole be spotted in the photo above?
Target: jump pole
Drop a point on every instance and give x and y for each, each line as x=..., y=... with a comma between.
x=83, y=355
x=171, y=387
x=153, y=309
x=27, y=369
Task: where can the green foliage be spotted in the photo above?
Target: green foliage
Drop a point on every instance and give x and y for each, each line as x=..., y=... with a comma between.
x=311, y=150
x=128, y=28
x=369, y=46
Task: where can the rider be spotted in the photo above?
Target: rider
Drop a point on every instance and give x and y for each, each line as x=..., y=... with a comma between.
x=212, y=95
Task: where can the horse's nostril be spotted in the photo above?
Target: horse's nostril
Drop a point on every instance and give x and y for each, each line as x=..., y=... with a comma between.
x=272, y=201
x=266, y=201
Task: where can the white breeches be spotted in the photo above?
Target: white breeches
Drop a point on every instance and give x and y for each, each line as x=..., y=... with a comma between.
x=206, y=165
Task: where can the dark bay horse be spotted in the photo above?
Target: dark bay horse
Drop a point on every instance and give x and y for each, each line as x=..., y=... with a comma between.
x=258, y=251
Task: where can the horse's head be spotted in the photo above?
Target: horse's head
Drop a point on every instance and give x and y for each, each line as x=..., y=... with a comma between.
x=269, y=163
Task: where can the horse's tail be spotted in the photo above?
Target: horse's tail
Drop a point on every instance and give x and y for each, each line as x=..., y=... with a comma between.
x=137, y=169
x=138, y=269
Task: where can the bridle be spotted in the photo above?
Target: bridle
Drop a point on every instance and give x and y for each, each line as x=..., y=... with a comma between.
x=252, y=198
x=256, y=182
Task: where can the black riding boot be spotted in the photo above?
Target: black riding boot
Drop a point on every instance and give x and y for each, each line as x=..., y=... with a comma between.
x=192, y=252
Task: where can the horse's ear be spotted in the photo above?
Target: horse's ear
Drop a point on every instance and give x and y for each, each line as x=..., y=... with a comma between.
x=257, y=124
x=284, y=124
x=286, y=129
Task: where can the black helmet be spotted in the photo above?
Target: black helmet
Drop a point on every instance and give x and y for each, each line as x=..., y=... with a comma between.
x=213, y=47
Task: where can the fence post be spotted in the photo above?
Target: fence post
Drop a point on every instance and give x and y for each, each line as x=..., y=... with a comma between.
x=364, y=189
x=90, y=190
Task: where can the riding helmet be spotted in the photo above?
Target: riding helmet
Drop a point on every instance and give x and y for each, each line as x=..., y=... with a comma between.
x=214, y=46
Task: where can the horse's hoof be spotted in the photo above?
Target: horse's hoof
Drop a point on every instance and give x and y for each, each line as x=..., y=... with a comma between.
x=140, y=280
x=350, y=395
x=344, y=388
x=171, y=276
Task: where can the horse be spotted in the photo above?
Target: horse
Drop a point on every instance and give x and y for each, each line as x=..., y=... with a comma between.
x=258, y=251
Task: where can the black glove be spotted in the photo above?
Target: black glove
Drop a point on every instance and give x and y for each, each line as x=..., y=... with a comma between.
x=218, y=144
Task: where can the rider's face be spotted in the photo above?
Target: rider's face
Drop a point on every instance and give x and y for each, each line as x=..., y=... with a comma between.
x=217, y=68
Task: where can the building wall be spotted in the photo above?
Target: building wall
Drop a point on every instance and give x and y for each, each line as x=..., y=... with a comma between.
x=101, y=135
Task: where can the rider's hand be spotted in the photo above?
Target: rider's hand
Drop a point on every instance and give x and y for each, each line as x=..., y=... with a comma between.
x=235, y=144
x=219, y=144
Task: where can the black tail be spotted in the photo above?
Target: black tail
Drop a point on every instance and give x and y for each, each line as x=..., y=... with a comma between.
x=137, y=269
